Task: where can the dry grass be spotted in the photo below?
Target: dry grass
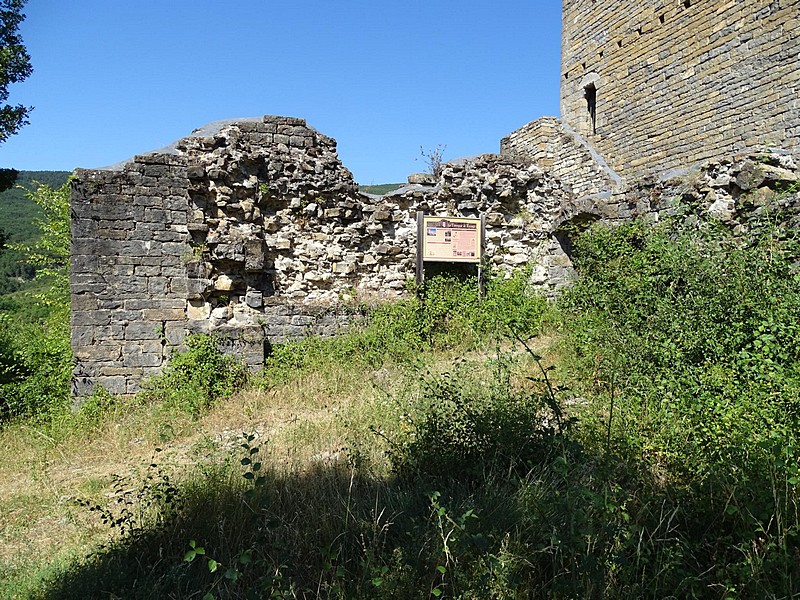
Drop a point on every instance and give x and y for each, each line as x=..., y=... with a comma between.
x=43, y=474
x=305, y=422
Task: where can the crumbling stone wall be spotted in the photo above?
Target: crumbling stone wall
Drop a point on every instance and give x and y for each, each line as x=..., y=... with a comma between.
x=739, y=192
x=252, y=229
x=662, y=84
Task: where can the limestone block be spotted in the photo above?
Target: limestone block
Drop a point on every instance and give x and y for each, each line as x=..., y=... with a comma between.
x=144, y=330
x=197, y=288
x=197, y=310
x=224, y=283
x=116, y=385
x=382, y=214
x=778, y=174
x=422, y=179
x=254, y=299
x=175, y=333
x=750, y=176
x=100, y=352
x=164, y=314
x=232, y=252
x=141, y=359
x=253, y=255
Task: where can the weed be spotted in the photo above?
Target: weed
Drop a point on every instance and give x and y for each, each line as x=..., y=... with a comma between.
x=434, y=159
x=196, y=378
x=449, y=314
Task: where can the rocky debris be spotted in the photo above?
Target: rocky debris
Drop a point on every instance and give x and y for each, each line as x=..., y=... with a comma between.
x=735, y=191
x=422, y=179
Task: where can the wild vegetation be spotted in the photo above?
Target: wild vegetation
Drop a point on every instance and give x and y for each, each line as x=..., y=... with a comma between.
x=14, y=67
x=636, y=438
x=380, y=189
x=35, y=359
x=19, y=215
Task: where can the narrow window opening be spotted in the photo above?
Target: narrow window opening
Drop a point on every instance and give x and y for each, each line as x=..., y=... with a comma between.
x=619, y=43
x=686, y=3
x=661, y=19
x=590, y=92
x=601, y=54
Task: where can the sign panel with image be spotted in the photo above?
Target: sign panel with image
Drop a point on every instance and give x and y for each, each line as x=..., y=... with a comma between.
x=451, y=239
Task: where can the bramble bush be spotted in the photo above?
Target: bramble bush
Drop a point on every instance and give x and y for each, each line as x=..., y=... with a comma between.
x=701, y=329
x=688, y=345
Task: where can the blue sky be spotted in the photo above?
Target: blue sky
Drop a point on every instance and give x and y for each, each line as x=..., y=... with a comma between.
x=114, y=78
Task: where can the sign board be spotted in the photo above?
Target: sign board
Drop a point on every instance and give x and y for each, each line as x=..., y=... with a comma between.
x=451, y=239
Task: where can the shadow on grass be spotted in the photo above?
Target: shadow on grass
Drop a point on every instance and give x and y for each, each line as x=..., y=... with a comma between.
x=566, y=525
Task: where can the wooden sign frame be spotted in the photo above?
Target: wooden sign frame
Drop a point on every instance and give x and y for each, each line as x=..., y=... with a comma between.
x=450, y=239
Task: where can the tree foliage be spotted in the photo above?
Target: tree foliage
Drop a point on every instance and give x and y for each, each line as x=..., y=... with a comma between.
x=15, y=66
x=49, y=254
x=8, y=178
x=35, y=357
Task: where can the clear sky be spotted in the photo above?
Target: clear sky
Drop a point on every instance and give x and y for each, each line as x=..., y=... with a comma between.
x=114, y=78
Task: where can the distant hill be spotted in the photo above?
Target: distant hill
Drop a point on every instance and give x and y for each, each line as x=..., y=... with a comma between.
x=18, y=215
x=381, y=189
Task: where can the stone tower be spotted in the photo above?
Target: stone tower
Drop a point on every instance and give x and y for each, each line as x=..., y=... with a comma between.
x=660, y=84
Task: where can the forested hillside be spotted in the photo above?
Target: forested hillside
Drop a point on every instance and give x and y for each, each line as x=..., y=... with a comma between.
x=18, y=216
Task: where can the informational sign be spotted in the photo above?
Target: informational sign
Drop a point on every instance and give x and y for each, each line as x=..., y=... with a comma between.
x=451, y=239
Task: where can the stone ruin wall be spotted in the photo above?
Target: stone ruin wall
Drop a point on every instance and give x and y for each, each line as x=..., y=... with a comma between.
x=558, y=149
x=681, y=82
x=254, y=230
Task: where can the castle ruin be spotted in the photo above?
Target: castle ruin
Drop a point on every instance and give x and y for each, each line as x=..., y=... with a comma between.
x=254, y=230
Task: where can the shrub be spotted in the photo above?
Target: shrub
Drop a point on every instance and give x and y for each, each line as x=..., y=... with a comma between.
x=197, y=378
x=689, y=345
x=35, y=355
x=35, y=369
x=468, y=422
x=701, y=330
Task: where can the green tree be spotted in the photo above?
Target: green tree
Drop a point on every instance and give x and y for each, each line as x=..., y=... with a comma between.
x=35, y=357
x=15, y=66
x=49, y=254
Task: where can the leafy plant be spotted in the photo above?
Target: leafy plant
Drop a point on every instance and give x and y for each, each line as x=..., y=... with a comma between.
x=197, y=378
x=50, y=253
x=447, y=314
x=464, y=423
x=35, y=355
